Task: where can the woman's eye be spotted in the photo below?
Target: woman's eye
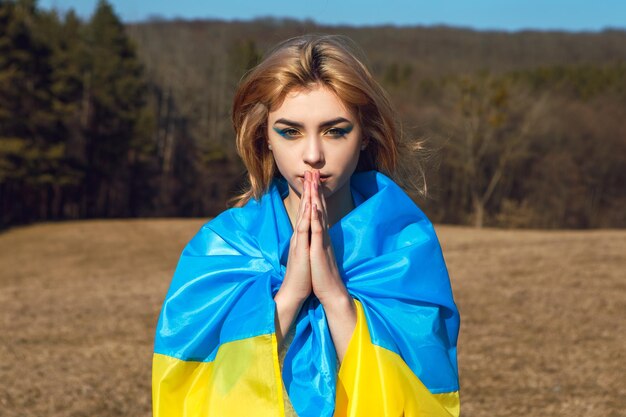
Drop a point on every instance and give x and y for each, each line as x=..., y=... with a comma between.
x=288, y=132
x=335, y=131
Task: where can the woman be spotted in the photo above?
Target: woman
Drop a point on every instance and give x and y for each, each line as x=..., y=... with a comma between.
x=324, y=290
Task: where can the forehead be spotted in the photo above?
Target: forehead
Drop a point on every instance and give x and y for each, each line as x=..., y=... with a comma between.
x=317, y=103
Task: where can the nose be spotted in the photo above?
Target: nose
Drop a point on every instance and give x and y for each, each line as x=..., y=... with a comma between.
x=313, y=153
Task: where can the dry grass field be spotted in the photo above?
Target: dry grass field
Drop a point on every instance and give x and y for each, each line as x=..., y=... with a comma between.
x=543, y=317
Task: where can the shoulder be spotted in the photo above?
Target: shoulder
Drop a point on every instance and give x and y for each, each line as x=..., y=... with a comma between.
x=388, y=203
x=228, y=232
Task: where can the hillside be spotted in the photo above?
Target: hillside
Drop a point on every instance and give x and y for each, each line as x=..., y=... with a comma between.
x=107, y=120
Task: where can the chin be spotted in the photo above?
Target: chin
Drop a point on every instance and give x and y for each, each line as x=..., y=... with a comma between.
x=327, y=186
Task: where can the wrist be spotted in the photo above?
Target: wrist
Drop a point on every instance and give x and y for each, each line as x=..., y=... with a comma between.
x=288, y=299
x=339, y=303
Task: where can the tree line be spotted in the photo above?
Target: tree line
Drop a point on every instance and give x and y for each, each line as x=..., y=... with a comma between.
x=75, y=127
x=100, y=119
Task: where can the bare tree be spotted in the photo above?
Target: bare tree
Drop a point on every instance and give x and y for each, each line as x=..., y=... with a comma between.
x=491, y=119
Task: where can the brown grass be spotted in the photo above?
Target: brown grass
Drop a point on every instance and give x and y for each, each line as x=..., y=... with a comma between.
x=543, y=325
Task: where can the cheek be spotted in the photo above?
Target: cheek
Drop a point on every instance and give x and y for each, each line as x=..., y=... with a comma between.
x=350, y=156
x=281, y=158
x=284, y=162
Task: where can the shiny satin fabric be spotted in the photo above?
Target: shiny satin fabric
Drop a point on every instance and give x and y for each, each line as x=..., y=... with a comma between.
x=374, y=381
x=242, y=380
x=219, y=314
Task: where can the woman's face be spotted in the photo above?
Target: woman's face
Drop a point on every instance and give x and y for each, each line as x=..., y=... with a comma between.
x=313, y=130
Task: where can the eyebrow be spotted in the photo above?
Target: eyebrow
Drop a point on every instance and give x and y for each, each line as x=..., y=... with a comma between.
x=323, y=124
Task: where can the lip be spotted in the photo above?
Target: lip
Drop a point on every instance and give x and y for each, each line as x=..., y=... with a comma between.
x=323, y=178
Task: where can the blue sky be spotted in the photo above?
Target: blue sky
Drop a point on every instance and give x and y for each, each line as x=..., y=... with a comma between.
x=509, y=15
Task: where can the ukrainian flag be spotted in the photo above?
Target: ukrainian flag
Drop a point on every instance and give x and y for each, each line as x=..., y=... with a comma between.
x=216, y=351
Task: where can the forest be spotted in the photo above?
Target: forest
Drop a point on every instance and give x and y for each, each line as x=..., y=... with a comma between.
x=101, y=119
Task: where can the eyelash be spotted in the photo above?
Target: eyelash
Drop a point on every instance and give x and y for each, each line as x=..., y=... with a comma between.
x=340, y=132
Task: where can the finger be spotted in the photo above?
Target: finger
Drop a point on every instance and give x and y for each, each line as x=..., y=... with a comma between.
x=323, y=200
x=319, y=232
x=304, y=226
x=316, y=228
x=304, y=197
x=315, y=198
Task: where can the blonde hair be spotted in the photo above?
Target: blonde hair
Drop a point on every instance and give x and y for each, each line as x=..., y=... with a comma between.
x=303, y=62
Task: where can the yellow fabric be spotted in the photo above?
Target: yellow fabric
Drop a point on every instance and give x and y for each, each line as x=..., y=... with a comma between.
x=282, y=350
x=374, y=381
x=240, y=382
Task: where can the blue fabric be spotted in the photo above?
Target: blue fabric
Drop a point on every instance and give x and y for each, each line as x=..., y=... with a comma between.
x=388, y=256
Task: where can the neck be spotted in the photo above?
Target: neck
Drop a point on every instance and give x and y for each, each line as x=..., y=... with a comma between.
x=337, y=205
